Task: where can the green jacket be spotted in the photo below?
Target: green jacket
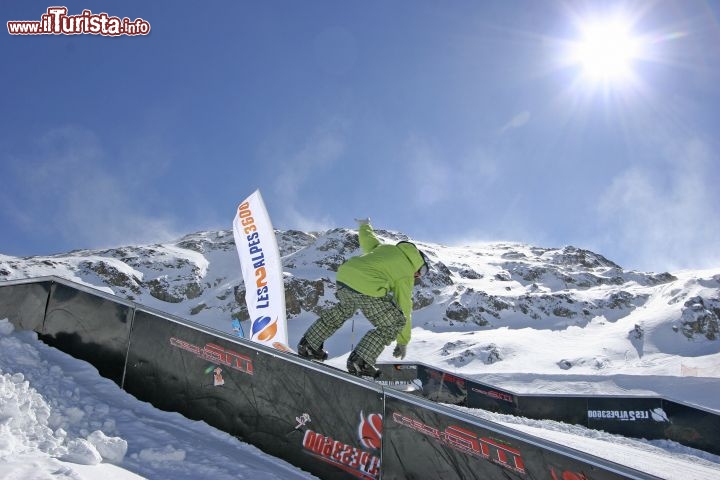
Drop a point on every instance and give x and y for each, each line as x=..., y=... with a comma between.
x=382, y=270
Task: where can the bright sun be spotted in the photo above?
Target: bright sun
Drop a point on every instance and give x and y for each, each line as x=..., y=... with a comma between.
x=606, y=50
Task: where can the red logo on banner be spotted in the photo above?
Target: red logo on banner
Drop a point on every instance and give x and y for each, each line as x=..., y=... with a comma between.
x=468, y=442
x=355, y=461
x=216, y=354
x=567, y=475
x=370, y=430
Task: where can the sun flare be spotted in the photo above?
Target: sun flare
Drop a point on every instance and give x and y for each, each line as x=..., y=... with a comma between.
x=606, y=50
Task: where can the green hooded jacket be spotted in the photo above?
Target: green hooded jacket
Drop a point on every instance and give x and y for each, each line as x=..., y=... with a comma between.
x=382, y=270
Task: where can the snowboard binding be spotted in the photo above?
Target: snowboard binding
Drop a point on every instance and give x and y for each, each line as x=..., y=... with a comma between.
x=360, y=368
x=306, y=350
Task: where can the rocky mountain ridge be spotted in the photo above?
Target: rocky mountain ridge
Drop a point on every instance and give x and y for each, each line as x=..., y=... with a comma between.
x=484, y=286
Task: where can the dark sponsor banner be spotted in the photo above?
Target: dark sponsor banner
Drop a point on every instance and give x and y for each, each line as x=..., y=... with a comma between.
x=442, y=387
x=356, y=453
x=562, y=408
x=338, y=425
x=24, y=304
x=633, y=416
x=179, y=368
x=692, y=426
x=421, y=442
x=490, y=398
x=306, y=414
x=90, y=327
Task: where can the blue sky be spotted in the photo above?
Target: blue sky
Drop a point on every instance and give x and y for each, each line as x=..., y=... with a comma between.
x=452, y=122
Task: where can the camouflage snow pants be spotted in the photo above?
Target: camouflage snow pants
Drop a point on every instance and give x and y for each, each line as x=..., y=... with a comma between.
x=382, y=313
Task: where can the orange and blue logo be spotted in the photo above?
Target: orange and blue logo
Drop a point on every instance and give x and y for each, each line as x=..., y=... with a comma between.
x=264, y=328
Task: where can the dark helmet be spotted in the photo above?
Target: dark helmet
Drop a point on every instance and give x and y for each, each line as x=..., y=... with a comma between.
x=426, y=264
x=423, y=267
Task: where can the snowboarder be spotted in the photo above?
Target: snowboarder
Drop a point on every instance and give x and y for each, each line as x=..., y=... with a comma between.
x=379, y=283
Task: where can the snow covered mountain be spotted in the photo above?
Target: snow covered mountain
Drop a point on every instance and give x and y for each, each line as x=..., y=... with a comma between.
x=523, y=316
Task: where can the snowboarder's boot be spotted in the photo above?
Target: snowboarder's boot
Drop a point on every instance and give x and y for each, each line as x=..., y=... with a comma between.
x=306, y=350
x=360, y=368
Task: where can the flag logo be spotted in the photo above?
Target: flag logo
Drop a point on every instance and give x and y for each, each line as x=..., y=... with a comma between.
x=265, y=328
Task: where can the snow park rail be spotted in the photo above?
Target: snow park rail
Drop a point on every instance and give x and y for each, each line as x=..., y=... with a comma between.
x=320, y=419
x=651, y=418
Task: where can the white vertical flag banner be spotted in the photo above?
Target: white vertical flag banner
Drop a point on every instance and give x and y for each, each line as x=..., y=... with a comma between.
x=262, y=272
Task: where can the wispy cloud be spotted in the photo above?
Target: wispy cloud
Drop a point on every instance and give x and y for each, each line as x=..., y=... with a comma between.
x=667, y=217
x=430, y=176
x=519, y=120
x=437, y=177
x=67, y=188
x=299, y=168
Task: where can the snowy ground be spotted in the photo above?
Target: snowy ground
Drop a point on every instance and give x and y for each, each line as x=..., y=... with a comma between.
x=60, y=419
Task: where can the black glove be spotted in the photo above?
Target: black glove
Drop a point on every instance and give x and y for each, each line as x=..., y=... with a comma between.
x=400, y=351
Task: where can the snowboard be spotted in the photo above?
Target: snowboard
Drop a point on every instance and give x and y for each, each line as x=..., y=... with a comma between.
x=408, y=386
x=286, y=349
